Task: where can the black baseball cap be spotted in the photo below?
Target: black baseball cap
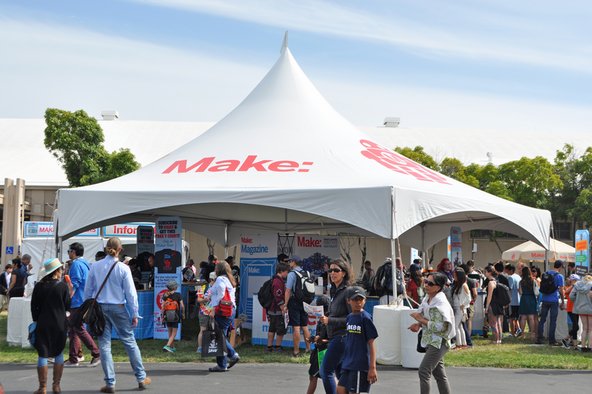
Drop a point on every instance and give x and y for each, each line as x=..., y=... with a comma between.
x=356, y=292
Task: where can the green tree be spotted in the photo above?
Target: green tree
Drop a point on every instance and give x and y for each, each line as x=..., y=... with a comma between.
x=418, y=155
x=76, y=140
x=531, y=182
x=455, y=169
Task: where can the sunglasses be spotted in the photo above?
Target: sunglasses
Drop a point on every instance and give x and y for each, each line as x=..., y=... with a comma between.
x=429, y=283
x=334, y=270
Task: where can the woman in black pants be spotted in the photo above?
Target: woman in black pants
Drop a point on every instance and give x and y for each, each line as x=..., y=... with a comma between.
x=341, y=276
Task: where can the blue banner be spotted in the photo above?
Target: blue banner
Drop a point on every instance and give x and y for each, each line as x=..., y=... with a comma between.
x=582, y=244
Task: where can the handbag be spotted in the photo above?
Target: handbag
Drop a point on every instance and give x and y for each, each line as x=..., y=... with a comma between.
x=213, y=340
x=420, y=348
x=224, y=308
x=90, y=312
x=32, y=328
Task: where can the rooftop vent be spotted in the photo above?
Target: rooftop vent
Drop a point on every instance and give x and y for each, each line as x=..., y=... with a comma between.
x=110, y=115
x=391, y=122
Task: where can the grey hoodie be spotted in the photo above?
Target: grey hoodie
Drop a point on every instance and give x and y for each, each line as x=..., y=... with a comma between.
x=581, y=297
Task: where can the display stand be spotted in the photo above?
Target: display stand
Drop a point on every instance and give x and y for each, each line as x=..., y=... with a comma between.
x=388, y=345
x=19, y=318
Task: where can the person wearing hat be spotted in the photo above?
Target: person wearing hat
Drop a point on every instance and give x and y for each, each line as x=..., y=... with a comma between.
x=172, y=301
x=435, y=318
x=582, y=297
x=358, y=366
x=550, y=303
x=49, y=303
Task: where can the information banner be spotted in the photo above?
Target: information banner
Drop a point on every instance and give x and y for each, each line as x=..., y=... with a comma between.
x=145, y=239
x=168, y=249
x=582, y=252
x=261, y=327
x=257, y=264
x=315, y=252
x=124, y=230
x=456, y=245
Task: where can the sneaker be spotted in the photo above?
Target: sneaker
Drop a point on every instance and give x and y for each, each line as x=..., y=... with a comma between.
x=95, y=361
x=107, y=389
x=199, y=350
x=518, y=333
x=538, y=342
x=555, y=343
x=278, y=349
x=233, y=360
x=217, y=369
x=142, y=385
x=169, y=349
x=80, y=359
x=269, y=349
x=69, y=363
x=566, y=343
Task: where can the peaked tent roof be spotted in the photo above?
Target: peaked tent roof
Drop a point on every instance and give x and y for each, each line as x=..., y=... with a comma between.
x=284, y=160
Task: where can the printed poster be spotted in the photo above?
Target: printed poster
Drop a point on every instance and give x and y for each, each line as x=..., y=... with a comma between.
x=316, y=252
x=145, y=239
x=582, y=252
x=257, y=264
x=168, y=249
x=456, y=245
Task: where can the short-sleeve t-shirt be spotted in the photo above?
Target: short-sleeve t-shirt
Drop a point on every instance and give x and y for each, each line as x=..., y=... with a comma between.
x=360, y=329
x=553, y=297
x=174, y=297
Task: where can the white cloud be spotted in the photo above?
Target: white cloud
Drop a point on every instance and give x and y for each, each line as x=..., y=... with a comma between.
x=456, y=33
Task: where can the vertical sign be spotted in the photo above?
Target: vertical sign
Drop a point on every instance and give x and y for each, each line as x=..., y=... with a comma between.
x=145, y=239
x=257, y=264
x=455, y=245
x=582, y=252
x=448, y=249
x=315, y=252
x=168, y=249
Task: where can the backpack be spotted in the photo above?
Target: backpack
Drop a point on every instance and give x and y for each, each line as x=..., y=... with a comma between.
x=548, y=285
x=382, y=282
x=502, y=294
x=304, y=291
x=169, y=310
x=265, y=294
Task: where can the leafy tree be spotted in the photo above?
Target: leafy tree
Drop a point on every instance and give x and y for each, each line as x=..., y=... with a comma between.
x=76, y=140
x=531, y=182
x=455, y=169
x=418, y=155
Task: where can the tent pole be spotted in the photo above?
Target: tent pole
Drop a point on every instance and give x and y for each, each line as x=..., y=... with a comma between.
x=393, y=246
x=226, y=227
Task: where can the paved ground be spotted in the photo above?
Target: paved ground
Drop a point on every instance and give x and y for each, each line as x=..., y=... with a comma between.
x=293, y=378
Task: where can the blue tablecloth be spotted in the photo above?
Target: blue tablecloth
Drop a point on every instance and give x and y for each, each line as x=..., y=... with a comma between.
x=145, y=328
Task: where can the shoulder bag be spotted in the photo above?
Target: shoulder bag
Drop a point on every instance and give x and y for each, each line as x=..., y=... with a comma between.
x=91, y=313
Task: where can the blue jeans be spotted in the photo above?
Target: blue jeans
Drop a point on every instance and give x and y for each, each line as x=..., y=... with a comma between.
x=116, y=316
x=42, y=361
x=225, y=323
x=331, y=366
x=553, y=307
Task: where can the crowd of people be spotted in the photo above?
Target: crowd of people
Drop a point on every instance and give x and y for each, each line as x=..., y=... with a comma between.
x=341, y=353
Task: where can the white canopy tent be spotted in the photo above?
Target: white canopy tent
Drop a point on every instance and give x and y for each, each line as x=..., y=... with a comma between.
x=530, y=251
x=285, y=161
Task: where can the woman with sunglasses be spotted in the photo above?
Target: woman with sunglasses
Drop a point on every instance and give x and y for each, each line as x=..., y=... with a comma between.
x=436, y=318
x=340, y=276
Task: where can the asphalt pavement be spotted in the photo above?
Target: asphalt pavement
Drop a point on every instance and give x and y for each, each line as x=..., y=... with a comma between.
x=293, y=378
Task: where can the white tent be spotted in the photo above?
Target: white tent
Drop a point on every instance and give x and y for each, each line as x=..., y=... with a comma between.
x=284, y=160
x=531, y=251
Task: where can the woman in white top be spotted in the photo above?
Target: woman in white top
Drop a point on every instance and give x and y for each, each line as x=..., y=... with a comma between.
x=461, y=300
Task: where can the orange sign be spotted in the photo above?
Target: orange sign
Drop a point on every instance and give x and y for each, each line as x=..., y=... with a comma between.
x=582, y=245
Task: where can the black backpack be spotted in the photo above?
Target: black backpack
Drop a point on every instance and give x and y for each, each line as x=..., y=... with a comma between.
x=265, y=294
x=383, y=280
x=548, y=285
x=502, y=294
x=304, y=291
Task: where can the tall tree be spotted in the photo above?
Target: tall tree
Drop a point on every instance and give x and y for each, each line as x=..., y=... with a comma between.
x=418, y=155
x=76, y=140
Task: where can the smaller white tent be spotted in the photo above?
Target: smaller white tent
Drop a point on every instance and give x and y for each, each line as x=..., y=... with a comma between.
x=529, y=250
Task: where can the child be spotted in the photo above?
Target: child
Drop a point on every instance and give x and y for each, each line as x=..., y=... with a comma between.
x=358, y=367
x=320, y=340
x=172, y=310
x=203, y=299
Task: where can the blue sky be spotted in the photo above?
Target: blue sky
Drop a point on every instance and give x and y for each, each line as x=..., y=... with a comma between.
x=472, y=64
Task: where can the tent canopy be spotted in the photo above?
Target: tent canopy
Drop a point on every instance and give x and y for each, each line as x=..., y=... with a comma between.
x=529, y=250
x=284, y=160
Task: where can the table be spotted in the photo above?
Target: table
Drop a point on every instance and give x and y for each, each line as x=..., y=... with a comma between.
x=19, y=318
